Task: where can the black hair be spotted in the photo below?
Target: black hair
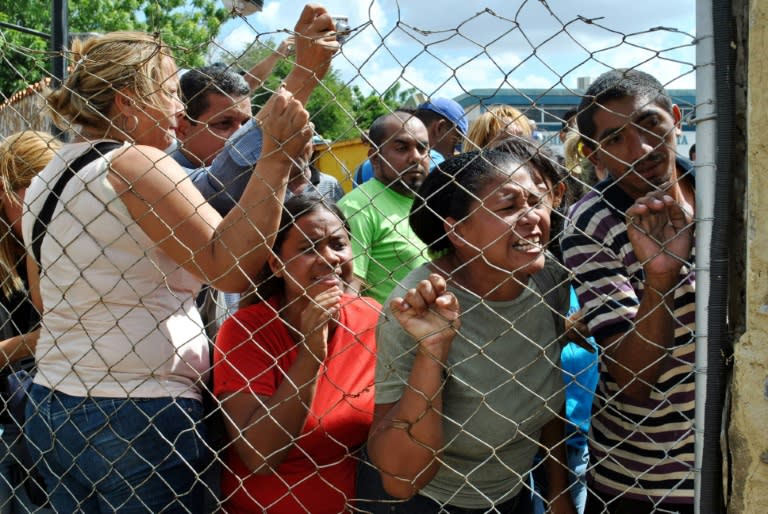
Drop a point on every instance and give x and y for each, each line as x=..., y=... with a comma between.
x=449, y=192
x=616, y=85
x=570, y=113
x=216, y=78
x=541, y=158
x=267, y=283
x=692, y=152
x=428, y=116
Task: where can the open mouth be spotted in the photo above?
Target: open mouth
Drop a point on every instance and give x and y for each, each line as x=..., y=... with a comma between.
x=530, y=244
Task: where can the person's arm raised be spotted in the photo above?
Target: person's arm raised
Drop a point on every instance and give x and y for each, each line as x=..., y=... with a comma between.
x=407, y=436
x=661, y=233
x=170, y=210
x=316, y=45
x=256, y=76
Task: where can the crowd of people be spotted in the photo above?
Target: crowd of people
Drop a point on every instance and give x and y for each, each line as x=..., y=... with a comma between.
x=480, y=326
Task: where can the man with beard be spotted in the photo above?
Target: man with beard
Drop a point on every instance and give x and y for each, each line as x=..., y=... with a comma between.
x=385, y=247
x=630, y=245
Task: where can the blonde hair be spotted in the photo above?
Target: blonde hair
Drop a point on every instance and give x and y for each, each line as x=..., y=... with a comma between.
x=22, y=156
x=577, y=165
x=489, y=125
x=103, y=66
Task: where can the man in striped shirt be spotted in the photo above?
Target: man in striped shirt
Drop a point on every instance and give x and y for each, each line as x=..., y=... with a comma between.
x=630, y=245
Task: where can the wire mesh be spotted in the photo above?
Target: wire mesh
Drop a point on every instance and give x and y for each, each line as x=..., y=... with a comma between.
x=304, y=302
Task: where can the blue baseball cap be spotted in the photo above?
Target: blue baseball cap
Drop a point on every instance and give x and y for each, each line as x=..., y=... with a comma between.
x=450, y=110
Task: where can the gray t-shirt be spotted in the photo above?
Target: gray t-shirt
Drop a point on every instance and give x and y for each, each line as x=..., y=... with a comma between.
x=503, y=385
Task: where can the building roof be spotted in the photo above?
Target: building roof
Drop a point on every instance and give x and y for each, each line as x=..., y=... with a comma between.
x=552, y=96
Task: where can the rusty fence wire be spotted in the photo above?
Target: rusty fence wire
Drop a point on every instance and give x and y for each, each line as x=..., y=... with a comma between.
x=242, y=314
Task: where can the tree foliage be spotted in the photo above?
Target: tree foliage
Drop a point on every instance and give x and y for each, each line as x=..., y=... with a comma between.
x=338, y=110
x=369, y=107
x=330, y=104
x=186, y=25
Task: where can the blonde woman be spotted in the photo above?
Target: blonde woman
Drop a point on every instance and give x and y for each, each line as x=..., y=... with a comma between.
x=115, y=409
x=496, y=124
x=22, y=156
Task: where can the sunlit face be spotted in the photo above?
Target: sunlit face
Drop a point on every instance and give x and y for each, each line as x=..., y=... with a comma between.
x=204, y=137
x=157, y=116
x=402, y=161
x=315, y=255
x=637, y=140
x=508, y=227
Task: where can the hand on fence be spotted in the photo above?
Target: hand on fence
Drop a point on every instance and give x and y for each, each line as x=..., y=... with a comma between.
x=430, y=314
x=287, y=47
x=315, y=41
x=285, y=125
x=661, y=233
x=315, y=318
x=577, y=332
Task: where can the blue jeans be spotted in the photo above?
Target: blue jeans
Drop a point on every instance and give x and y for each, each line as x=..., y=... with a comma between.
x=578, y=460
x=100, y=455
x=16, y=483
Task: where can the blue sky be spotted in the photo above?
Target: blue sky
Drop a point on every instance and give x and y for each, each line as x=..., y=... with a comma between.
x=449, y=47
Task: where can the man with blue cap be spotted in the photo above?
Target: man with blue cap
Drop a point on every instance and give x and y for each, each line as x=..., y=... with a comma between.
x=446, y=124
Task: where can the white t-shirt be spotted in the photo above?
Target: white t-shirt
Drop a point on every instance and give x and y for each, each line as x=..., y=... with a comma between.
x=119, y=317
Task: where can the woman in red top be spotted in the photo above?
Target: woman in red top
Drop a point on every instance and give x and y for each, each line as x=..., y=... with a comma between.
x=294, y=373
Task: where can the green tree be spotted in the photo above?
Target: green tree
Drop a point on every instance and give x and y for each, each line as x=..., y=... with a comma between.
x=186, y=25
x=339, y=111
x=369, y=107
x=330, y=105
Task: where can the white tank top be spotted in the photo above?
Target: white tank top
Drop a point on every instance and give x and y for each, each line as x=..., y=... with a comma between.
x=119, y=317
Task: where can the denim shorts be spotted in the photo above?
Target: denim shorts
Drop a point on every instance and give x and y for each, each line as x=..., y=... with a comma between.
x=117, y=454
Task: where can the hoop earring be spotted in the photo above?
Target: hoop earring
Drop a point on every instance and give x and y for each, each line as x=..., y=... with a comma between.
x=125, y=129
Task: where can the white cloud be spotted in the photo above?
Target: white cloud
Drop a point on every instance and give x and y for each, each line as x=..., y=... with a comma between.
x=448, y=47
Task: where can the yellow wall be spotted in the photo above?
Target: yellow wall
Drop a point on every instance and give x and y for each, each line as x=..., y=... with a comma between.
x=748, y=436
x=341, y=159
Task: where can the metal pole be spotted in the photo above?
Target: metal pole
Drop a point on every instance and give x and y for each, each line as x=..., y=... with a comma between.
x=59, y=41
x=25, y=30
x=714, y=84
x=705, y=199
x=59, y=37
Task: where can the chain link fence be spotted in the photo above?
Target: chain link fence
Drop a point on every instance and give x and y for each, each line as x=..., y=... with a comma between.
x=236, y=318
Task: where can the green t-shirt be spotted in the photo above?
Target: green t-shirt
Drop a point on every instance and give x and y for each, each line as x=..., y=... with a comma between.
x=503, y=385
x=385, y=247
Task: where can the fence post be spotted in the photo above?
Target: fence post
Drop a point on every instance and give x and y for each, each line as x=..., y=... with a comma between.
x=59, y=38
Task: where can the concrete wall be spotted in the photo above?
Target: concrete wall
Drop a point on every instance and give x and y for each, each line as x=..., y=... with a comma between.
x=748, y=430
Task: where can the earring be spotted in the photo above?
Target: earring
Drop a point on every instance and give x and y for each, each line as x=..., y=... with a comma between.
x=125, y=129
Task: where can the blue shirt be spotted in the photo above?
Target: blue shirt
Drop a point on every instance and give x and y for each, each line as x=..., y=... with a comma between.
x=223, y=182
x=580, y=375
x=184, y=162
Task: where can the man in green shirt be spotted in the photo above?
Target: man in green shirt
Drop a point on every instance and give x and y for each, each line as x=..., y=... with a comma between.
x=385, y=247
